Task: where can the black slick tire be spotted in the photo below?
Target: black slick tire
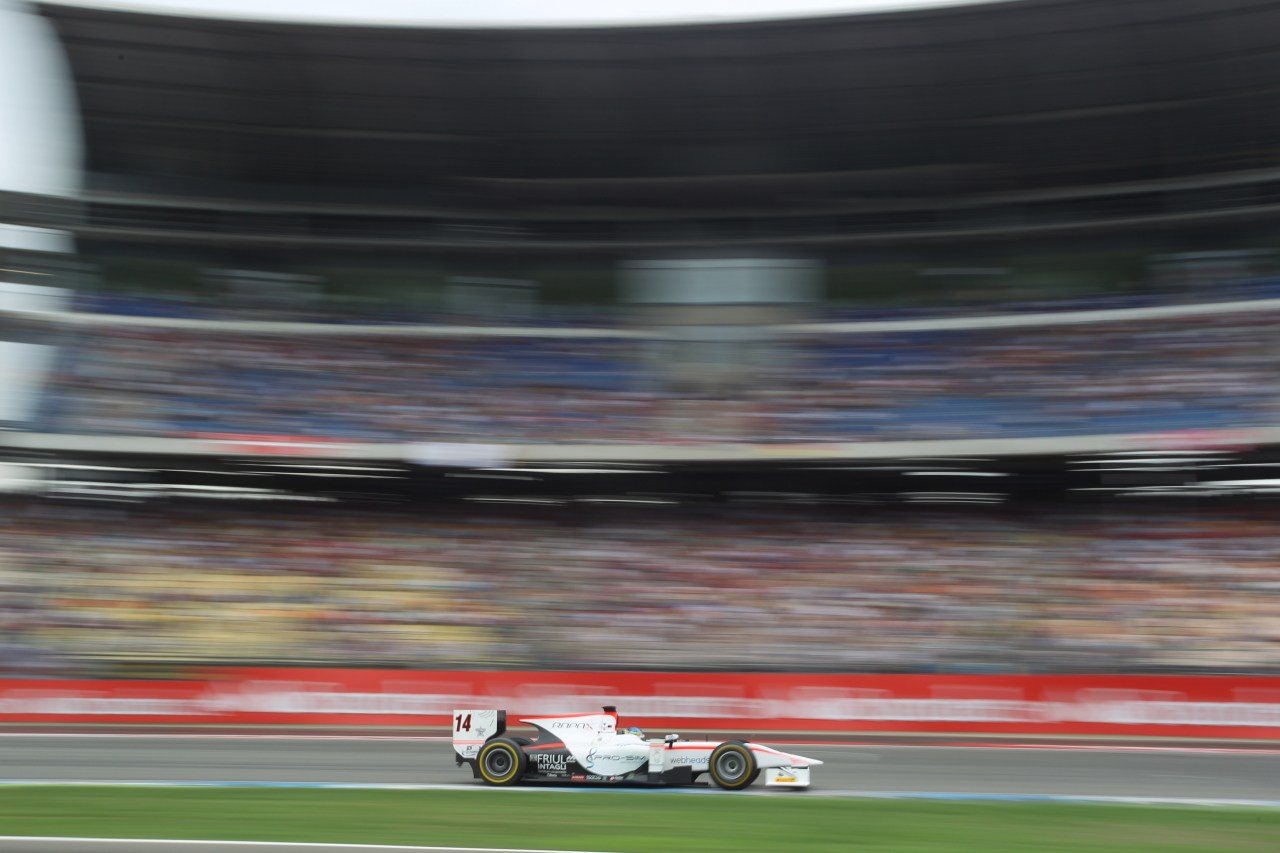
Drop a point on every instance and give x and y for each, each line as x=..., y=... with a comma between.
x=732, y=766
x=501, y=762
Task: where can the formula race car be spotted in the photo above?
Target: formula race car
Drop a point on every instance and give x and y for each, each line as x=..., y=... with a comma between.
x=593, y=748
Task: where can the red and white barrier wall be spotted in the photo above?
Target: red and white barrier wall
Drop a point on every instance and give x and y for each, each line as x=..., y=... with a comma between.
x=1173, y=706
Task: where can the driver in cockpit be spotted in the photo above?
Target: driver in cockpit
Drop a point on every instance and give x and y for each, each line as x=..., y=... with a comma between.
x=612, y=711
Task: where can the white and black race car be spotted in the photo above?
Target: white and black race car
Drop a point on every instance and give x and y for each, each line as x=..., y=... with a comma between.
x=593, y=748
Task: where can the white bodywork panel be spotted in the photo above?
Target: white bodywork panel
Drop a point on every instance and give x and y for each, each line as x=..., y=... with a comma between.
x=595, y=742
x=471, y=729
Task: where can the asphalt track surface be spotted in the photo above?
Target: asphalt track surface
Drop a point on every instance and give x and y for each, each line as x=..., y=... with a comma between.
x=887, y=767
x=1057, y=770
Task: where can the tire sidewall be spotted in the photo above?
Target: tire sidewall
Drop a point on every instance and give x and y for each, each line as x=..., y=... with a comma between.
x=750, y=770
x=516, y=755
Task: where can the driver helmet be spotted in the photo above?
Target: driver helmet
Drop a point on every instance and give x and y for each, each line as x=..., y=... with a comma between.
x=634, y=730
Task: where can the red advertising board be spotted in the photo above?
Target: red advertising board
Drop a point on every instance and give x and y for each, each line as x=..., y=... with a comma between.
x=758, y=702
x=277, y=445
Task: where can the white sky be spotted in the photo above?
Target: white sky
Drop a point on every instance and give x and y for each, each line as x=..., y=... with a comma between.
x=521, y=12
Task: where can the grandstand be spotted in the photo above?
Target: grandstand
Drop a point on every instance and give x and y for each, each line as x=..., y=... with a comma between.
x=346, y=354
x=832, y=382
x=742, y=588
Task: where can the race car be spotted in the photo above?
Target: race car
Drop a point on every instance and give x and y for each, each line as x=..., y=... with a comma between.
x=594, y=748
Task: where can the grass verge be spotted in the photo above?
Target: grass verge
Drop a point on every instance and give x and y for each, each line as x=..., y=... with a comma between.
x=628, y=822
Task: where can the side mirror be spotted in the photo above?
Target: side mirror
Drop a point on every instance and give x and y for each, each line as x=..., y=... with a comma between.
x=670, y=739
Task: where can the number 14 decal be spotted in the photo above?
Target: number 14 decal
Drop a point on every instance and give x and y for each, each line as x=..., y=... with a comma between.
x=461, y=723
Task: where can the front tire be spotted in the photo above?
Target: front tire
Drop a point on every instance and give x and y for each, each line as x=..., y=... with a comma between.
x=733, y=766
x=502, y=762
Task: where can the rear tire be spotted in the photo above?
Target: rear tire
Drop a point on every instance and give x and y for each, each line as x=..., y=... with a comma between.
x=502, y=762
x=733, y=766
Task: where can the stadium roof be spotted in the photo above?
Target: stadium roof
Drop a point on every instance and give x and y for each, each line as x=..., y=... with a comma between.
x=480, y=13
x=986, y=98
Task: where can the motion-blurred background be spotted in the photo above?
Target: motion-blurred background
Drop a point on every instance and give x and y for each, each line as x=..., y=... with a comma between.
x=925, y=341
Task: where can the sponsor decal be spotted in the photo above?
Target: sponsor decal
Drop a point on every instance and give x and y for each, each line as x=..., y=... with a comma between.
x=575, y=726
x=578, y=777
x=550, y=761
x=686, y=760
x=595, y=756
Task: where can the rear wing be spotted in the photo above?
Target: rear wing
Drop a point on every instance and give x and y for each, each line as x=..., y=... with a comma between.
x=472, y=728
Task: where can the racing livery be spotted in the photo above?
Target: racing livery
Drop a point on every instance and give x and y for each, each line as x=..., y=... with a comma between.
x=594, y=748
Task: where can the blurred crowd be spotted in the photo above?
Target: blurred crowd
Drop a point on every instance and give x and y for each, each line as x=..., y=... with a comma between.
x=368, y=388
x=1039, y=381
x=1189, y=373
x=670, y=587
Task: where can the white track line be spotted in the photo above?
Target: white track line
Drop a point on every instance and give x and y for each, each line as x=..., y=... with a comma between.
x=28, y=839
